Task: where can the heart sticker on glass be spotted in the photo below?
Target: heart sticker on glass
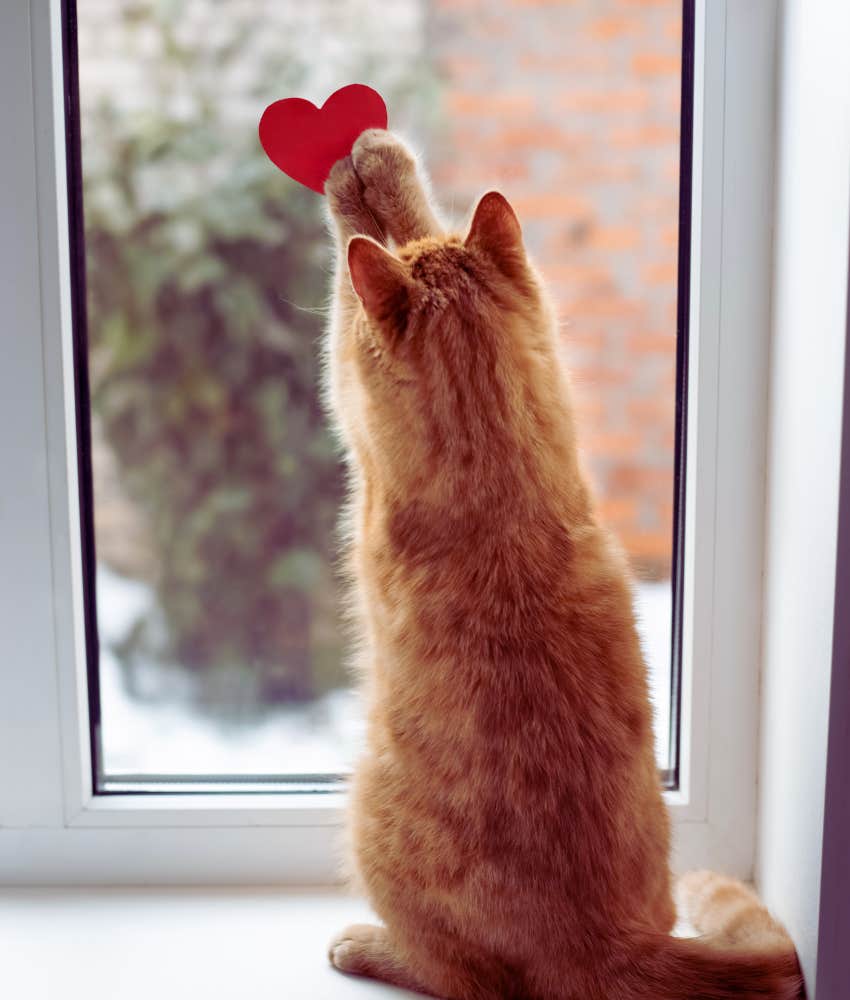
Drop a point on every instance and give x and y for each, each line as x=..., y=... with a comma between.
x=305, y=141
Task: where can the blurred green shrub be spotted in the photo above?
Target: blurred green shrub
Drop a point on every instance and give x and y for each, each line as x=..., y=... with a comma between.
x=207, y=276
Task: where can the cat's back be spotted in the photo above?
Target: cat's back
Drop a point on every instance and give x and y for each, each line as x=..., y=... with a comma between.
x=510, y=730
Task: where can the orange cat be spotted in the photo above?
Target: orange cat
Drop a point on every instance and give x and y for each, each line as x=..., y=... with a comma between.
x=506, y=816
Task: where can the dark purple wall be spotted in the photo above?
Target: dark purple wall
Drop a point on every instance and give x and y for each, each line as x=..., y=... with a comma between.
x=833, y=971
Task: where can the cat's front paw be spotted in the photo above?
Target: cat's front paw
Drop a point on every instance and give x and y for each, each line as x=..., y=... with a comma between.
x=386, y=167
x=344, y=190
x=392, y=187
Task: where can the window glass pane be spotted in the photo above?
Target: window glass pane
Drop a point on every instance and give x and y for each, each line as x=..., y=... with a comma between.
x=217, y=485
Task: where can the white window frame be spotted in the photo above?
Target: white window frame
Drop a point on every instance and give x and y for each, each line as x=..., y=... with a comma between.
x=53, y=829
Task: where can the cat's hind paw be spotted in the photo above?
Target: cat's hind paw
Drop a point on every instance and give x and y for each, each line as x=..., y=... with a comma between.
x=354, y=949
x=365, y=950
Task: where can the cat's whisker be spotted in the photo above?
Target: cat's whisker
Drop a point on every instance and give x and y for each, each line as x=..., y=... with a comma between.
x=313, y=310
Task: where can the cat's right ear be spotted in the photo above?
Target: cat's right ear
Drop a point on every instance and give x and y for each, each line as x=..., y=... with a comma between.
x=495, y=231
x=381, y=283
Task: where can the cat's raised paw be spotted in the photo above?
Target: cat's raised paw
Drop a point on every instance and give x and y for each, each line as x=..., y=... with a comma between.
x=392, y=188
x=382, y=160
x=344, y=191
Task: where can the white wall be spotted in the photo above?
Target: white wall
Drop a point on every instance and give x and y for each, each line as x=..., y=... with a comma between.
x=809, y=309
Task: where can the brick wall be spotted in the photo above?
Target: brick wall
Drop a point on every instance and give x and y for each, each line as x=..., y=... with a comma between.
x=571, y=108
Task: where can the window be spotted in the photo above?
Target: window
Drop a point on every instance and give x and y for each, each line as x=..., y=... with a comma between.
x=199, y=314
x=216, y=481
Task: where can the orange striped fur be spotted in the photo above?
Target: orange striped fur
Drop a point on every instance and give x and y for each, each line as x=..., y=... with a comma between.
x=506, y=818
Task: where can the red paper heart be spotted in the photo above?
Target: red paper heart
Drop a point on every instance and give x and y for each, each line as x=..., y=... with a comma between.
x=305, y=141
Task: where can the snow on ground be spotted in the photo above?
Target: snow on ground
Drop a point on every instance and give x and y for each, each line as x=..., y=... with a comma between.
x=168, y=736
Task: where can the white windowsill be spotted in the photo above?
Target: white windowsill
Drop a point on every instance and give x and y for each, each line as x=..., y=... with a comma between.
x=176, y=943
x=172, y=944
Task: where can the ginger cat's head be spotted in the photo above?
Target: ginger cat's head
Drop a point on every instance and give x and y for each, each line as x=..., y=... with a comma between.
x=457, y=385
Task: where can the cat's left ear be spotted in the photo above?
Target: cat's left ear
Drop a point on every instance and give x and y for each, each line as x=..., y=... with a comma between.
x=495, y=230
x=381, y=283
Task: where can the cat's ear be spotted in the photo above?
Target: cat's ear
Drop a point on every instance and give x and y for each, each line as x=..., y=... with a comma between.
x=495, y=231
x=381, y=283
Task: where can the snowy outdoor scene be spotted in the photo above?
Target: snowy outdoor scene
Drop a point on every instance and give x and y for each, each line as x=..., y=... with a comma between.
x=165, y=735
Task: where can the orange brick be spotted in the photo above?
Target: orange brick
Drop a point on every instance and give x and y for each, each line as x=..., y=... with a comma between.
x=613, y=237
x=669, y=236
x=628, y=100
x=641, y=480
x=670, y=171
x=665, y=511
x=666, y=383
x=649, y=3
x=660, y=273
x=652, y=343
x=579, y=274
x=586, y=340
x=672, y=105
x=656, y=64
x=490, y=105
x=551, y=205
x=615, y=26
x=456, y=67
x=618, y=511
x=597, y=173
x=613, y=444
x=474, y=176
x=646, y=135
x=653, y=545
x=490, y=27
x=600, y=375
x=621, y=508
x=652, y=410
x=608, y=305
x=588, y=409
x=573, y=65
x=661, y=206
x=536, y=137
x=673, y=29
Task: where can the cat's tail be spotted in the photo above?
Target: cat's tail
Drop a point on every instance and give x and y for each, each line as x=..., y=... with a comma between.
x=743, y=952
x=730, y=914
